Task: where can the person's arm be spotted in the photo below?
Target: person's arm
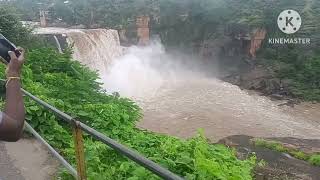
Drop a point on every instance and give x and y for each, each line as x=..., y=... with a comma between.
x=14, y=113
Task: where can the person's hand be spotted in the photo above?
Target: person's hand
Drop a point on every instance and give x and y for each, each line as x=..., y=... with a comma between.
x=15, y=65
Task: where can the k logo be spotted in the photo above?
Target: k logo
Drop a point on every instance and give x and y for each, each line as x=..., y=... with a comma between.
x=289, y=21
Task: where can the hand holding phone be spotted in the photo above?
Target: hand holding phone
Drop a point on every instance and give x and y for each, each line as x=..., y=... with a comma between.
x=15, y=65
x=5, y=47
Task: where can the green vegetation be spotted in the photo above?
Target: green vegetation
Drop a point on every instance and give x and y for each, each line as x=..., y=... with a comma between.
x=73, y=88
x=300, y=70
x=313, y=159
x=13, y=29
x=105, y=13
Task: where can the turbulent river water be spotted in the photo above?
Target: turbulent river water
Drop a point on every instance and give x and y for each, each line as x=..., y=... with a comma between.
x=178, y=98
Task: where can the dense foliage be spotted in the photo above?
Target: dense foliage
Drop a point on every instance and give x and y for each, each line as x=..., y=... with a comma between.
x=300, y=70
x=12, y=28
x=106, y=13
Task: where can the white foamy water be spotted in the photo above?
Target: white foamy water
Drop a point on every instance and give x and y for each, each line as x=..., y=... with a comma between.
x=178, y=100
x=95, y=48
x=142, y=72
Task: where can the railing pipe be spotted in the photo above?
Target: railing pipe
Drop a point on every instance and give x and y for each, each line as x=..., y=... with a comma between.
x=72, y=171
x=56, y=111
x=152, y=166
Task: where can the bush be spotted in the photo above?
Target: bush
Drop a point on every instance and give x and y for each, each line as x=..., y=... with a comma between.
x=12, y=29
x=300, y=67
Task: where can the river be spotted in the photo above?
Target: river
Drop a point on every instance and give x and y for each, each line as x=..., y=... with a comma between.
x=178, y=100
x=178, y=96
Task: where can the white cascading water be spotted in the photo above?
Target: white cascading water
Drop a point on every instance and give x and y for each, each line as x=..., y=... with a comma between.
x=178, y=99
x=141, y=72
x=58, y=44
x=95, y=48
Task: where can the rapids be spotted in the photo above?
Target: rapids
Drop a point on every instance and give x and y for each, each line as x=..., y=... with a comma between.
x=178, y=98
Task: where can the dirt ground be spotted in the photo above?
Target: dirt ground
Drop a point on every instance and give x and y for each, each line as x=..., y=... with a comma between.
x=223, y=110
x=26, y=159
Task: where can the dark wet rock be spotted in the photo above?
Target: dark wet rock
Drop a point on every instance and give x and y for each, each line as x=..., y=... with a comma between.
x=290, y=102
x=262, y=80
x=233, y=79
x=277, y=96
x=279, y=165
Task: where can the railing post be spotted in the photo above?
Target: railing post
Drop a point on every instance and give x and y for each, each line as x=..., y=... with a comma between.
x=79, y=149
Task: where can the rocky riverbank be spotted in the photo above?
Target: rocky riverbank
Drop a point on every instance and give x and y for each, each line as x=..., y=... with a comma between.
x=275, y=164
x=264, y=81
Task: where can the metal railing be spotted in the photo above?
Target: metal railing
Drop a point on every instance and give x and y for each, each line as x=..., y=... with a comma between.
x=78, y=127
x=71, y=170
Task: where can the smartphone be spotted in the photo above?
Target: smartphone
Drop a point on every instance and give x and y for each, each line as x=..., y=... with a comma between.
x=5, y=47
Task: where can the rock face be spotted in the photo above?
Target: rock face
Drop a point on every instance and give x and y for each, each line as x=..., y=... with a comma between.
x=262, y=80
x=123, y=38
x=248, y=40
x=256, y=41
x=235, y=50
x=235, y=55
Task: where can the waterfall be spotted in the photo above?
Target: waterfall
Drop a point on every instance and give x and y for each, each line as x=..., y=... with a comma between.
x=58, y=44
x=95, y=48
x=178, y=97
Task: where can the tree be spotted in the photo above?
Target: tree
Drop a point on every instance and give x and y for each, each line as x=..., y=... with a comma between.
x=12, y=28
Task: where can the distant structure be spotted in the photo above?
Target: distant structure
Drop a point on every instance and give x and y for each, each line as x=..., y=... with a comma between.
x=143, y=31
x=44, y=13
x=252, y=40
x=257, y=38
x=43, y=18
